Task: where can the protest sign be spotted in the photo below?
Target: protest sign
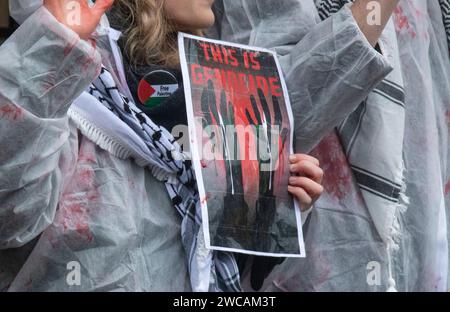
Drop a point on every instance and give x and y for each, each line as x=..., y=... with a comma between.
x=240, y=125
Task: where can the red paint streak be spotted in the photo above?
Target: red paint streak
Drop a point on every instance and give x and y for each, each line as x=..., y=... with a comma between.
x=402, y=23
x=48, y=82
x=93, y=43
x=338, y=175
x=75, y=207
x=69, y=48
x=77, y=219
x=447, y=189
x=418, y=13
x=86, y=62
x=11, y=112
x=87, y=157
x=85, y=177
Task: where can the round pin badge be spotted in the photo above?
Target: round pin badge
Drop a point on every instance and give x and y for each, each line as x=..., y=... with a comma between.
x=156, y=87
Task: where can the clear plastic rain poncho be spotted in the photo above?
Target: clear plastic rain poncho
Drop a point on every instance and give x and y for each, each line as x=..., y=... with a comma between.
x=73, y=217
x=343, y=244
x=345, y=251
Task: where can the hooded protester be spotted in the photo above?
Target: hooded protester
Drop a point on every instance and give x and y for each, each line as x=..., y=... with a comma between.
x=381, y=223
x=94, y=189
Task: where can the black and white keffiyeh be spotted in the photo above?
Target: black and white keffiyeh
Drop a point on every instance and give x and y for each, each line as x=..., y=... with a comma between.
x=116, y=124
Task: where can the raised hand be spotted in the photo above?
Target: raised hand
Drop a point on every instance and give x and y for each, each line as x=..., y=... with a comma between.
x=78, y=15
x=363, y=10
x=271, y=129
x=233, y=223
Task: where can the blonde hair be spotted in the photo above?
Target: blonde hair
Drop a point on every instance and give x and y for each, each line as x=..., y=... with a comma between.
x=150, y=36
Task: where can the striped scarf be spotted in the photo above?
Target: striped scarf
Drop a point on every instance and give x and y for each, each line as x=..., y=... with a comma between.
x=377, y=166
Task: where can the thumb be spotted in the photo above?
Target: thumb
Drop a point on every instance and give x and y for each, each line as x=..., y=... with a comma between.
x=101, y=6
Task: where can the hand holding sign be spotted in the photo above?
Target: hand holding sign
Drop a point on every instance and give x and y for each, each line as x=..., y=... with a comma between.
x=306, y=181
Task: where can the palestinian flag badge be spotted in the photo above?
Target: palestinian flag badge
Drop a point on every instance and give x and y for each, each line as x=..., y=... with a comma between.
x=156, y=87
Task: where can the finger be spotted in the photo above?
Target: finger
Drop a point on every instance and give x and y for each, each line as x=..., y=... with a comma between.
x=307, y=169
x=312, y=188
x=277, y=111
x=212, y=101
x=204, y=102
x=231, y=113
x=303, y=198
x=265, y=106
x=249, y=117
x=255, y=110
x=224, y=108
x=299, y=157
x=101, y=6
